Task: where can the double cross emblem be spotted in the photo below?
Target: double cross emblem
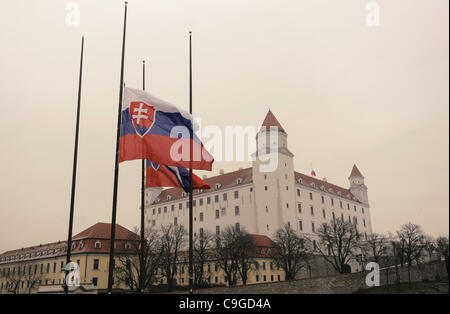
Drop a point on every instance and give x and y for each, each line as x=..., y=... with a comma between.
x=143, y=117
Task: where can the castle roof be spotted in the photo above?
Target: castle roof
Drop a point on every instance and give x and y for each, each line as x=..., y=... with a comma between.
x=217, y=182
x=355, y=172
x=270, y=120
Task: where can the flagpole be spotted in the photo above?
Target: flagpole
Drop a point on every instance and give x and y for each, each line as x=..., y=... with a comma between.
x=74, y=172
x=191, y=222
x=116, y=164
x=141, y=281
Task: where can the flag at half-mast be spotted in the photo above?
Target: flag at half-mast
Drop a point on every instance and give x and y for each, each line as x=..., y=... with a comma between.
x=154, y=129
x=158, y=175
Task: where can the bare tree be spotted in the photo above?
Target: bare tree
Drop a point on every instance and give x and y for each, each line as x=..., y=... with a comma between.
x=202, y=252
x=412, y=239
x=374, y=246
x=15, y=278
x=226, y=254
x=292, y=251
x=245, y=253
x=172, y=240
x=442, y=249
x=128, y=270
x=338, y=242
x=429, y=246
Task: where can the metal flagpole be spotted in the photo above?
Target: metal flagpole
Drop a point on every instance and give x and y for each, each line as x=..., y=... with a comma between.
x=116, y=165
x=74, y=173
x=142, y=266
x=191, y=223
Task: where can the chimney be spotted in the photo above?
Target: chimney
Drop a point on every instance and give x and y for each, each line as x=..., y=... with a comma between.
x=222, y=171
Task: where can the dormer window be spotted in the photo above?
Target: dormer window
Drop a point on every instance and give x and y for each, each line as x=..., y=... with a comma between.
x=322, y=188
x=300, y=180
x=81, y=244
x=169, y=197
x=330, y=190
x=183, y=194
x=313, y=184
x=239, y=181
x=127, y=246
x=218, y=185
x=98, y=245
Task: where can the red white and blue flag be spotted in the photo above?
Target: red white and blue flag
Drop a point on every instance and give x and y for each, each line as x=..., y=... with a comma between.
x=313, y=173
x=158, y=175
x=147, y=124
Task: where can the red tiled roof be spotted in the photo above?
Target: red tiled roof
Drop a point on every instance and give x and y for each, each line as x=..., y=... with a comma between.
x=318, y=184
x=102, y=230
x=84, y=242
x=261, y=240
x=225, y=180
x=355, y=172
x=270, y=120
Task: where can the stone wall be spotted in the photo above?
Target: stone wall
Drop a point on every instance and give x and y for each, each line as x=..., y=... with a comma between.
x=344, y=283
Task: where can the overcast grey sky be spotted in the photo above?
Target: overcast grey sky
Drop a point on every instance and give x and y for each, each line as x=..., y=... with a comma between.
x=345, y=93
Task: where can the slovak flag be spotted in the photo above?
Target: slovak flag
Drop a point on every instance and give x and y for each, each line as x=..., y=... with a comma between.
x=313, y=173
x=154, y=129
x=158, y=175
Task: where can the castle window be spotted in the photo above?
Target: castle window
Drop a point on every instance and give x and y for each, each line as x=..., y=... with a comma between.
x=340, y=204
x=224, y=196
x=98, y=245
x=183, y=194
x=236, y=194
x=238, y=227
x=323, y=199
x=300, y=225
x=265, y=188
x=169, y=197
x=239, y=181
x=332, y=202
x=313, y=184
x=310, y=195
x=208, y=200
x=217, y=214
x=298, y=192
x=362, y=210
x=223, y=211
x=81, y=244
x=201, y=216
x=165, y=209
x=175, y=221
x=172, y=207
x=216, y=198
x=299, y=206
x=355, y=208
x=201, y=202
x=217, y=233
x=180, y=206
x=154, y=211
x=218, y=186
x=312, y=211
x=127, y=245
x=236, y=211
x=324, y=213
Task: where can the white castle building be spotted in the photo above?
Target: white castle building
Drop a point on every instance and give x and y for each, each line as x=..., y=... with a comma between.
x=262, y=202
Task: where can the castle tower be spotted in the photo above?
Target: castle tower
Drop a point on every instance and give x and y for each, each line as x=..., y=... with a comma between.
x=273, y=177
x=357, y=186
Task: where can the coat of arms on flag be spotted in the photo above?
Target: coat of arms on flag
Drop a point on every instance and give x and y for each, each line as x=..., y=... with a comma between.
x=143, y=117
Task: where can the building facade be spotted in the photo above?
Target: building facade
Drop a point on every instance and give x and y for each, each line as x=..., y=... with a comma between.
x=40, y=267
x=262, y=202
